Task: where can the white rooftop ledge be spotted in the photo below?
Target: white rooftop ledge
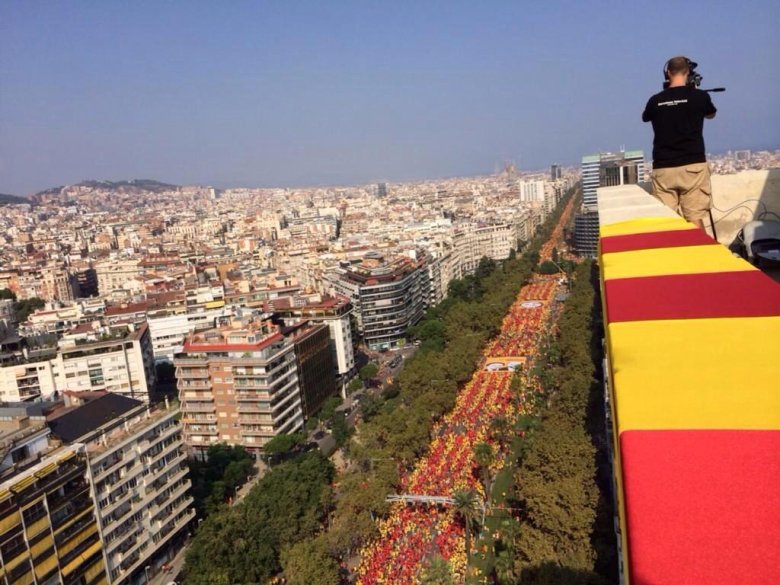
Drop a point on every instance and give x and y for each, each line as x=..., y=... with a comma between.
x=627, y=202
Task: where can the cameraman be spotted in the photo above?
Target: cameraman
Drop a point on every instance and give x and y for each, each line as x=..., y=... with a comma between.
x=681, y=177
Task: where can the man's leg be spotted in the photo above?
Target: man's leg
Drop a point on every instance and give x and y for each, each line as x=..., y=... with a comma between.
x=664, y=188
x=696, y=195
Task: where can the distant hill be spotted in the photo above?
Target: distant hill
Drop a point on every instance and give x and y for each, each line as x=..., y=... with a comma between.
x=130, y=186
x=13, y=199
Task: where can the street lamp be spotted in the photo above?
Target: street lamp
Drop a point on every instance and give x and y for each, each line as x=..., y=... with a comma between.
x=146, y=572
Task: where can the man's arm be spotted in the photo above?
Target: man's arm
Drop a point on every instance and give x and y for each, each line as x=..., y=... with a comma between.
x=647, y=115
x=709, y=108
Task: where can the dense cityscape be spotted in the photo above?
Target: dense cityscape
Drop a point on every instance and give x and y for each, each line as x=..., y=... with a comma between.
x=166, y=351
x=389, y=293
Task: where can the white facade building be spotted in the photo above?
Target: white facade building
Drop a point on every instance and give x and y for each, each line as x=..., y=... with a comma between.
x=168, y=332
x=532, y=191
x=123, y=363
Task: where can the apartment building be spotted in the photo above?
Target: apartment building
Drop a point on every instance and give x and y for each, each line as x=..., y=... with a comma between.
x=50, y=283
x=532, y=191
x=471, y=242
x=113, y=275
x=238, y=383
x=10, y=342
x=138, y=472
x=48, y=526
x=337, y=313
x=388, y=296
x=168, y=332
x=313, y=358
x=24, y=437
x=28, y=378
x=117, y=359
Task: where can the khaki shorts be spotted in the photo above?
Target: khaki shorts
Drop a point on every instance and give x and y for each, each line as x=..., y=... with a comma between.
x=687, y=187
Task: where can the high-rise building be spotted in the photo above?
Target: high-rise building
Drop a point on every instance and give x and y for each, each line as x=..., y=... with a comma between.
x=238, y=383
x=48, y=522
x=316, y=375
x=590, y=179
x=606, y=169
x=555, y=172
x=389, y=297
x=337, y=313
x=381, y=189
x=138, y=472
x=169, y=331
x=586, y=233
x=84, y=282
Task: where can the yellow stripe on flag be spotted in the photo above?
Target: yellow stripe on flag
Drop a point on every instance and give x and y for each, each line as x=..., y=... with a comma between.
x=680, y=260
x=644, y=225
x=696, y=373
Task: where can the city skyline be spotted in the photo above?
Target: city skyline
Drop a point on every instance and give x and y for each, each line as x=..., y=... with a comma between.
x=310, y=95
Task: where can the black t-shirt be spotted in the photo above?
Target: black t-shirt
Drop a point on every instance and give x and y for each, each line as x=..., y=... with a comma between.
x=677, y=114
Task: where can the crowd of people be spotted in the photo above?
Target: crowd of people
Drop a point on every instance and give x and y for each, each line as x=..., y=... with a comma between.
x=525, y=318
x=411, y=535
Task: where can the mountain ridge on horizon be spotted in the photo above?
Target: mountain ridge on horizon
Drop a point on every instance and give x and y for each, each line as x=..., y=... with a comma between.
x=8, y=199
x=147, y=185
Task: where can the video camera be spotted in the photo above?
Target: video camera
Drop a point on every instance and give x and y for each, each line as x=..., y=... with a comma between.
x=694, y=77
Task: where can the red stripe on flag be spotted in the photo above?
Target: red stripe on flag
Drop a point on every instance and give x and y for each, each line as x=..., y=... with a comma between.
x=692, y=296
x=702, y=506
x=668, y=239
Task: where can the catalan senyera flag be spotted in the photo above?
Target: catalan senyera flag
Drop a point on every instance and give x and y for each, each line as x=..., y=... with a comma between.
x=693, y=337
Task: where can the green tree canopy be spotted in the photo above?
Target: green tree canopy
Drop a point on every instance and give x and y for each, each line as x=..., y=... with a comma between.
x=309, y=563
x=25, y=307
x=216, y=479
x=283, y=444
x=438, y=572
x=243, y=544
x=548, y=267
x=467, y=508
x=354, y=386
x=368, y=371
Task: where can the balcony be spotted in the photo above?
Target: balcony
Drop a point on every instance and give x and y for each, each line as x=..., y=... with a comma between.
x=190, y=361
x=124, y=478
x=258, y=419
x=188, y=407
x=161, y=501
x=196, y=384
x=257, y=432
x=189, y=395
x=191, y=373
x=200, y=419
x=692, y=372
x=248, y=384
x=201, y=430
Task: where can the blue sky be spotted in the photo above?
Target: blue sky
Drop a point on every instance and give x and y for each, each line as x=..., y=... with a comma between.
x=302, y=93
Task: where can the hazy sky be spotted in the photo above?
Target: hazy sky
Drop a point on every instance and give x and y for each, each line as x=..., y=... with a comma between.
x=257, y=93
